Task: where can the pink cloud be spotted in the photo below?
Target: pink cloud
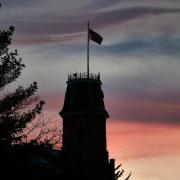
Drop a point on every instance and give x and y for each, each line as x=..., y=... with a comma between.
x=141, y=147
x=53, y=102
x=143, y=110
x=128, y=140
x=147, y=150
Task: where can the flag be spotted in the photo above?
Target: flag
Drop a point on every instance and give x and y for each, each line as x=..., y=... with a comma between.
x=95, y=37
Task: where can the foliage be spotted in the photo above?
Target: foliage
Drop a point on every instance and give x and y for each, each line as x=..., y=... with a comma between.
x=16, y=109
x=120, y=172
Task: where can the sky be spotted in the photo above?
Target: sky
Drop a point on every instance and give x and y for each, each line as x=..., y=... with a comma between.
x=139, y=62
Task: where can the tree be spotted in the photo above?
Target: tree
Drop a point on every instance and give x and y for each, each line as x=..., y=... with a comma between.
x=44, y=131
x=16, y=109
x=119, y=172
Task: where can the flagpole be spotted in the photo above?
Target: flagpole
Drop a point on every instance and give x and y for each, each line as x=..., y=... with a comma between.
x=88, y=51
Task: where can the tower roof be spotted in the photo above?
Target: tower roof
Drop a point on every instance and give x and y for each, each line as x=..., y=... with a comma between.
x=84, y=95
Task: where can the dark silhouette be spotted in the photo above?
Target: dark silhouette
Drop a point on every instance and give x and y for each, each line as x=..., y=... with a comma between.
x=14, y=111
x=83, y=155
x=84, y=130
x=44, y=131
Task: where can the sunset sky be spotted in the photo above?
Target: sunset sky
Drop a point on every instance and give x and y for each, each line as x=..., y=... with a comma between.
x=139, y=62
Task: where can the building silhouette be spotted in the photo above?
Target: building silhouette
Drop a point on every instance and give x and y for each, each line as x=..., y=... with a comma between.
x=84, y=129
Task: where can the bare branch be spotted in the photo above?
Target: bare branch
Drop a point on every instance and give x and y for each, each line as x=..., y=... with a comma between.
x=44, y=131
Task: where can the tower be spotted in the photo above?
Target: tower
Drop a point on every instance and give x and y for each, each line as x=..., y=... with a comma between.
x=84, y=128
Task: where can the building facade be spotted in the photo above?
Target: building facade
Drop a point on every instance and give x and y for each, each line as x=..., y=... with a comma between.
x=84, y=129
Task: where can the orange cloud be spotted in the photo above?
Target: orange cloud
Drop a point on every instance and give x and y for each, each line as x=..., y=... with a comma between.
x=150, y=151
x=132, y=140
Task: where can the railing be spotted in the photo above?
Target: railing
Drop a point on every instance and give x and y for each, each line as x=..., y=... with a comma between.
x=83, y=76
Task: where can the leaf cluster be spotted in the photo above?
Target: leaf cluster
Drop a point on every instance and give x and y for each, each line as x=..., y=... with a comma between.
x=20, y=107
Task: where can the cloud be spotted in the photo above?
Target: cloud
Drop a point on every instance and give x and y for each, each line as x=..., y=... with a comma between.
x=139, y=65
x=39, y=22
x=130, y=110
x=127, y=14
x=167, y=46
x=139, y=59
x=16, y=3
x=154, y=168
x=141, y=140
x=145, y=149
x=139, y=88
